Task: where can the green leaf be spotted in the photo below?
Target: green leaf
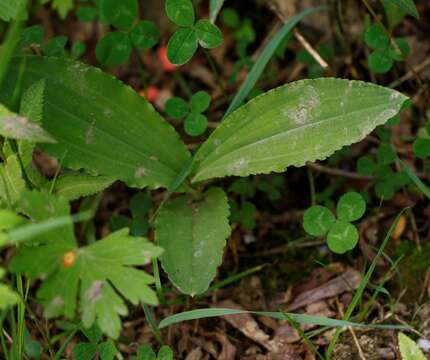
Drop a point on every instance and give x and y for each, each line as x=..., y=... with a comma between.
x=87, y=13
x=208, y=34
x=177, y=108
x=32, y=35
x=107, y=350
x=145, y=35
x=300, y=318
x=62, y=7
x=55, y=46
x=303, y=121
x=120, y=14
x=93, y=334
x=214, y=8
x=230, y=18
x=73, y=186
x=84, y=351
x=11, y=181
x=78, y=49
x=403, y=46
x=17, y=127
x=193, y=236
x=8, y=297
x=409, y=348
x=9, y=9
x=181, y=12
x=408, y=6
x=366, y=166
x=422, y=148
x=165, y=353
x=318, y=220
x=351, y=207
x=376, y=37
x=145, y=352
x=200, y=101
x=182, y=46
x=9, y=220
x=380, y=61
x=342, y=237
x=113, y=49
x=195, y=124
x=105, y=126
x=32, y=102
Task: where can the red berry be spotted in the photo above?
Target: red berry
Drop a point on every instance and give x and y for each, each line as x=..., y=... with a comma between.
x=151, y=93
x=165, y=62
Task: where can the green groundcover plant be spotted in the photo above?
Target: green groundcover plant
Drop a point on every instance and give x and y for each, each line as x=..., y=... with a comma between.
x=102, y=131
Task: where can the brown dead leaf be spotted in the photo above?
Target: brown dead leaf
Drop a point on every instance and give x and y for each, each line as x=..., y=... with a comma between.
x=195, y=354
x=228, y=350
x=349, y=281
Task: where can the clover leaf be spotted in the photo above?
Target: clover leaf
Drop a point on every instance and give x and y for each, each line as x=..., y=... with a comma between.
x=342, y=236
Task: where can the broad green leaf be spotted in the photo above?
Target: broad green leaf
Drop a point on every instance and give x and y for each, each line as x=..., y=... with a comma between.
x=75, y=185
x=193, y=236
x=318, y=220
x=181, y=12
x=17, y=127
x=182, y=46
x=351, y=207
x=408, y=6
x=409, y=348
x=214, y=8
x=120, y=14
x=342, y=237
x=145, y=35
x=105, y=126
x=208, y=34
x=113, y=49
x=303, y=121
x=9, y=9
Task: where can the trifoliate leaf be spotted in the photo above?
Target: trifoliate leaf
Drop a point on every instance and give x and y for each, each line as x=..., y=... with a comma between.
x=165, y=353
x=380, y=61
x=84, y=351
x=351, y=207
x=55, y=46
x=318, y=220
x=376, y=37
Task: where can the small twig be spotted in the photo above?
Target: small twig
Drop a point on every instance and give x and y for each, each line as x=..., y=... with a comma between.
x=410, y=74
x=338, y=172
x=317, y=57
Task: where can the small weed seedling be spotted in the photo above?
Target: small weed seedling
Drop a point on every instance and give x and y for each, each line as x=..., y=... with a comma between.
x=342, y=236
x=145, y=352
x=105, y=350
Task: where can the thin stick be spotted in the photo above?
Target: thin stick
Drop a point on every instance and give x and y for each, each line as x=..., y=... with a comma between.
x=411, y=73
x=317, y=57
x=338, y=172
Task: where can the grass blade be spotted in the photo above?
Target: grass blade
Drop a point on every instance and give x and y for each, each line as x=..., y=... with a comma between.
x=214, y=9
x=358, y=294
x=299, y=318
x=416, y=180
x=265, y=57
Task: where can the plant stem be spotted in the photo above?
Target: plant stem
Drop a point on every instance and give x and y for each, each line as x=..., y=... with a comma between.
x=152, y=324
